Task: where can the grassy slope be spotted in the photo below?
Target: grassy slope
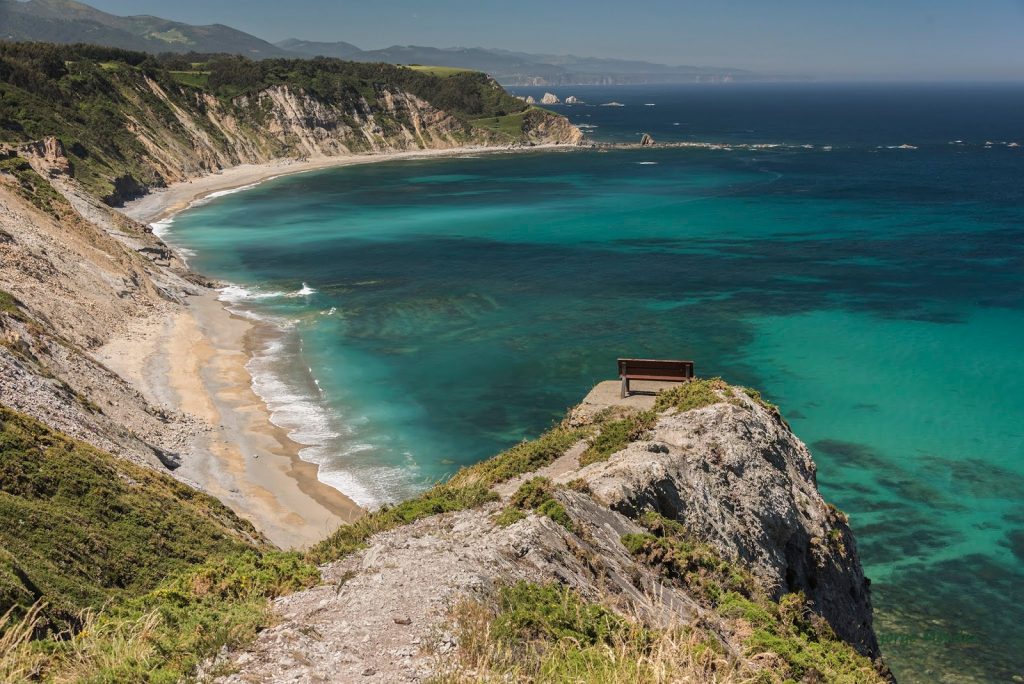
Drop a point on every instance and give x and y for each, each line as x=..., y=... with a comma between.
x=81, y=527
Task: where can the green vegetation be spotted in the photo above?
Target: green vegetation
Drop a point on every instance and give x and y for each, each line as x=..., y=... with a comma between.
x=442, y=498
x=113, y=572
x=691, y=395
x=100, y=101
x=511, y=125
x=163, y=634
x=468, y=488
x=10, y=305
x=548, y=633
x=199, y=80
x=615, y=435
x=758, y=399
x=680, y=556
x=802, y=642
x=538, y=495
x=34, y=187
x=439, y=71
x=83, y=527
x=522, y=458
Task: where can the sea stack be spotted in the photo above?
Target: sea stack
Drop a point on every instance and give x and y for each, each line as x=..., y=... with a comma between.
x=646, y=140
x=572, y=99
x=550, y=99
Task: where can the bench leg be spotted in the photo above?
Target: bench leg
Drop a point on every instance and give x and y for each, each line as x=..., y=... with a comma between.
x=625, y=388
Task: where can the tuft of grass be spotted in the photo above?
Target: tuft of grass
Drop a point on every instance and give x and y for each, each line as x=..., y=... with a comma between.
x=162, y=635
x=547, y=633
x=617, y=434
x=681, y=557
x=758, y=399
x=538, y=495
x=10, y=305
x=509, y=516
x=524, y=457
x=691, y=395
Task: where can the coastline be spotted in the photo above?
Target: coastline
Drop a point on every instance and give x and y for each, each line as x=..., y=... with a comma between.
x=196, y=358
x=163, y=203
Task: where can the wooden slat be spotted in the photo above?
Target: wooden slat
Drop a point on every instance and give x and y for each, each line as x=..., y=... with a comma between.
x=655, y=369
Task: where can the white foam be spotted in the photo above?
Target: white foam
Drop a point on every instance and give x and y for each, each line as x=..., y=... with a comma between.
x=160, y=228
x=647, y=163
x=222, y=193
x=234, y=294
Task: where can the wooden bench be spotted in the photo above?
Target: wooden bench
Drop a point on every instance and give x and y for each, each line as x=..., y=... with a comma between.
x=653, y=369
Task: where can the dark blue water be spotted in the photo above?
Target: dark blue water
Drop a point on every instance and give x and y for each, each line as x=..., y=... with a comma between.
x=856, y=252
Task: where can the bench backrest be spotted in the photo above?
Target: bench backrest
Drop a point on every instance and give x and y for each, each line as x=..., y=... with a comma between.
x=655, y=369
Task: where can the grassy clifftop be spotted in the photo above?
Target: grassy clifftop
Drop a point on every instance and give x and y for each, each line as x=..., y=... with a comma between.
x=129, y=121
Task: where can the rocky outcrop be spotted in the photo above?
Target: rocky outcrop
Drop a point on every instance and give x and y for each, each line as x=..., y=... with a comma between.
x=545, y=129
x=646, y=140
x=49, y=154
x=550, y=99
x=739, y=479
x=572, y=99
x=732, y=472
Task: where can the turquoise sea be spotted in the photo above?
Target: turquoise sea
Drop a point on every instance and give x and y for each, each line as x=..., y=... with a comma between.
x=865, y=271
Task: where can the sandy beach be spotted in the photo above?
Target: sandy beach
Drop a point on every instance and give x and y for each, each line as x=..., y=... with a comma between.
x=194, y=359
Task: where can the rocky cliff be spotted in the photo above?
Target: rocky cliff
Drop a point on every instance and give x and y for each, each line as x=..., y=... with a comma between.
x=701, y=515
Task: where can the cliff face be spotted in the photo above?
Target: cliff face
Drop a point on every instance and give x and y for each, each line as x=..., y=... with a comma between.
x=282, y=121
x=131, y=122
x=208, y=134
x=740, y=480
x=731, y=494
x=74, y=273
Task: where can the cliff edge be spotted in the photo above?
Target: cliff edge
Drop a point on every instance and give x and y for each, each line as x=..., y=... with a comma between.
x=691, y=529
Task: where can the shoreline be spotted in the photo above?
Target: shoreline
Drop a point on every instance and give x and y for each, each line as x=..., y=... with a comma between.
x=196, y=359
x=163, y=203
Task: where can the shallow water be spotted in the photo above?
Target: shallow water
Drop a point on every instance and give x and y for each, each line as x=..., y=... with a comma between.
x=439, y=311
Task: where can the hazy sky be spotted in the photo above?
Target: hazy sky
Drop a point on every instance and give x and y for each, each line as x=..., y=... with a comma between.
x=966, y=39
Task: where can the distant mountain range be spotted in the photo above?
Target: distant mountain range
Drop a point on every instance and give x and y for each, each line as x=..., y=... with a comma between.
x=65, y=21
